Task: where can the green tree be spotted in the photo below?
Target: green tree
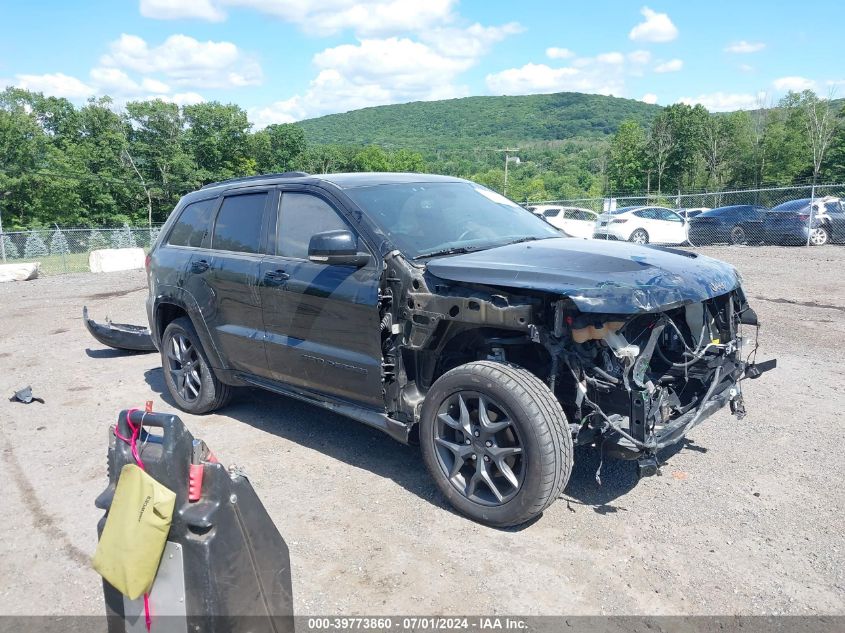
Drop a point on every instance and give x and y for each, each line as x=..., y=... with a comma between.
x=277, y=147
x=58, y=243
x=786, y=143
x=218, y=140
x=35, y=246
x=157, y=147
x=627, y=158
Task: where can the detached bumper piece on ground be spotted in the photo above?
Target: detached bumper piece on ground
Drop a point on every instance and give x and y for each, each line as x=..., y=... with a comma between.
x=135, y=338
x=225, y=567
x=25, y=395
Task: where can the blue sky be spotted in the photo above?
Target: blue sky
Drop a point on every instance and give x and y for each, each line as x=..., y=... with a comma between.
x=284, y=60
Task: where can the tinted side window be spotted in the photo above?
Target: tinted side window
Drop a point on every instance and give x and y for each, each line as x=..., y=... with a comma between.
x=238, y=226
x=551, y=213
x=193, y=224
x=301, y=216
x=670, y=216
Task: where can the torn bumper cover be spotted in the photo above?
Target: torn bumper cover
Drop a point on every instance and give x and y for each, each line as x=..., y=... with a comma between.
x=124, y=336
x=649, y=429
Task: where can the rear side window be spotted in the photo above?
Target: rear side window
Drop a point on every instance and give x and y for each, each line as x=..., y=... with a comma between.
x=193, y=224
x=551, y=213
x=238, y=226
x=301, y=216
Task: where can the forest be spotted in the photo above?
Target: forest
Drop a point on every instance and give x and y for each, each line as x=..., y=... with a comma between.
x=99, y=165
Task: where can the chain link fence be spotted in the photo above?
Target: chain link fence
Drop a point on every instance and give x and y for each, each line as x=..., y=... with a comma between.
x=65, y=250
x=804, y=215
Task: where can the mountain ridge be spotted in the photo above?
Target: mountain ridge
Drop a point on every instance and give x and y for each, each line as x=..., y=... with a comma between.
x=466, y=121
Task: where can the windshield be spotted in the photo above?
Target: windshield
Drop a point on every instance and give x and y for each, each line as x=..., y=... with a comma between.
x=793, y=205
x=432, y=217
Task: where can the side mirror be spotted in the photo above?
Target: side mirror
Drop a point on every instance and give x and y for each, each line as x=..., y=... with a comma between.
x=336, y=248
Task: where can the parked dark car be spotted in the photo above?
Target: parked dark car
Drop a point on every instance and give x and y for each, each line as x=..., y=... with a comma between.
x=692, y=212
x=790, y=222
x=442, y=313
x=736, y=224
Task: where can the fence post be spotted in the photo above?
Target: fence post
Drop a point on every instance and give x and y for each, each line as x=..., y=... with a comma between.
x=2, y=241
x=812, y=207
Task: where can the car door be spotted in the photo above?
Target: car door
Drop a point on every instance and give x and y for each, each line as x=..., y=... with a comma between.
x=836, y=212
x=585, y=222
x=647, y=220
x=223, y=279
x=553, y=217
x=568, y=223
x=672, y=226
x=321, y=321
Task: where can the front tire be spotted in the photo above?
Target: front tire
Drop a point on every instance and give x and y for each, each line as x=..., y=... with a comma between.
x=819, y=236
x=187, y=373
x=640, y=236
x=496, y=442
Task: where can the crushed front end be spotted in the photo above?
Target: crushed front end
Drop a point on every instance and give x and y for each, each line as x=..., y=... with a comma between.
x=634, y=384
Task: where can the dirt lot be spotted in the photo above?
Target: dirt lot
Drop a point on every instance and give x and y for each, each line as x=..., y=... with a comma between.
x=747, y=517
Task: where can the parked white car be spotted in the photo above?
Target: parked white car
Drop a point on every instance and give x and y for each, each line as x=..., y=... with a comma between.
x=573, y=221
x=642, y=225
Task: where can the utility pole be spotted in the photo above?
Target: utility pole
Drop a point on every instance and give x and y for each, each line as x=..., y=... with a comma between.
x=508, y=158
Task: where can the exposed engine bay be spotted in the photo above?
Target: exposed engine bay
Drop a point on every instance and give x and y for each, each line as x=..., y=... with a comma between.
x=643, y=382
x=630, y=384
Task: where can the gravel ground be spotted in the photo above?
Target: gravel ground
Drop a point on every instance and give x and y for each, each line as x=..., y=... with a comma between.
x=746, y=519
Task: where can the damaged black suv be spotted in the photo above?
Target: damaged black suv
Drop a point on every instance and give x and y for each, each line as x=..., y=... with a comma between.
x=442, y=313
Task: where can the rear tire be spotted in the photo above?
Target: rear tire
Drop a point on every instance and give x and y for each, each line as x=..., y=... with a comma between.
x=640, y=236
x=187, y=373
x=738, y=235
x=520, y=446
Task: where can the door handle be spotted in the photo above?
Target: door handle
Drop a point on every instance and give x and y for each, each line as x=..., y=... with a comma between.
x=199, y=266
x=276, y=276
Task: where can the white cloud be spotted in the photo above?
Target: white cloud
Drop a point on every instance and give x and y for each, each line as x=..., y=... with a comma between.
x=649, y=97
x=743, y=47
x=657, y=27
x=795, y=84
x=382, y=71
x=181, y=9
x=104, y=80
x=553, y=52
x=470, y=42
x=723, y=101
x=322, y=17
x=181, y=98
x=185, y=61
x=746, y=68
x=55, y=84
x=611, y=58
x=672, y=66
x=540, y=78
x=154, y=85
x=605, y=73
x=639, y=57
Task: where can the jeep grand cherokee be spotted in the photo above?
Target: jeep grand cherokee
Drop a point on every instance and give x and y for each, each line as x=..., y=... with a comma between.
x=442, y=313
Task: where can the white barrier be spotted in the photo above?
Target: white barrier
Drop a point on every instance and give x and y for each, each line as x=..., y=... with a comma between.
x=19, y=272
x=109, y=260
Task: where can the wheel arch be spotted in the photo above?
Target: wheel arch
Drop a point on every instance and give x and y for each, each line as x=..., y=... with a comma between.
x=168, y=310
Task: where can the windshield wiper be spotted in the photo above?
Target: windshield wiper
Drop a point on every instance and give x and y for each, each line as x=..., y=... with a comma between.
x=530, y=238
x=453, y=250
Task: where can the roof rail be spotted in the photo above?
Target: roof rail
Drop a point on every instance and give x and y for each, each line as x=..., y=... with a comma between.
x=284, y=174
